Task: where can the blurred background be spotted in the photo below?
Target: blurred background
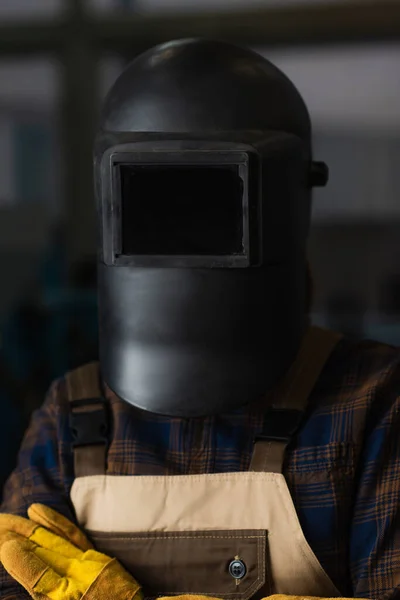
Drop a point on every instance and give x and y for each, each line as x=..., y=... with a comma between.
x=58, y=58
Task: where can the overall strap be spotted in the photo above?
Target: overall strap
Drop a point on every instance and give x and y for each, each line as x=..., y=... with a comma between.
x=285, y=415
x=89, y=420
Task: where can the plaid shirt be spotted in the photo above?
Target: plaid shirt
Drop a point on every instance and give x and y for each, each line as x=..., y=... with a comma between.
x=343, y=467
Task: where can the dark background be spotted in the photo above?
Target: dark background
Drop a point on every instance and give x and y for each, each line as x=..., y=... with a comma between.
x=57, y=60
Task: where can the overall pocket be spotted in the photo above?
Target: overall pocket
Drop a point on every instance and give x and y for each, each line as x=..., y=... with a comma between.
x=231, y=565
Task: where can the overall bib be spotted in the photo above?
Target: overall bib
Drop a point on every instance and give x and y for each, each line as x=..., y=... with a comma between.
x=234, y=536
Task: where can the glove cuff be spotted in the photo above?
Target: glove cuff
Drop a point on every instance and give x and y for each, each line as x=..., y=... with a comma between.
x=113, y=582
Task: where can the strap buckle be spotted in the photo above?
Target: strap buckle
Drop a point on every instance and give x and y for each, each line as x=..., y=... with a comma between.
x=89, y=427
x=280, y=425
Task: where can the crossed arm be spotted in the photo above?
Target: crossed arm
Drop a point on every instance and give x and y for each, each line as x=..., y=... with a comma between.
x=44, y=475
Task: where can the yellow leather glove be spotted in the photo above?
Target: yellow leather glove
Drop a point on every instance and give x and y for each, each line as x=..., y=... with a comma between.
x=51, y=558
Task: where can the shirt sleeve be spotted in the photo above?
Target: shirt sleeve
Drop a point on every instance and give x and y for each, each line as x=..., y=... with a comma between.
x=40, y=476
x=375, y=530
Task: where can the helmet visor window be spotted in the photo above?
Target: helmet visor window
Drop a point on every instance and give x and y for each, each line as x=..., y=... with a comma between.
x=181, y=210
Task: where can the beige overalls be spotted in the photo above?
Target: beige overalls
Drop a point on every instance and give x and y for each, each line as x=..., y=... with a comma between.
x=230, y=535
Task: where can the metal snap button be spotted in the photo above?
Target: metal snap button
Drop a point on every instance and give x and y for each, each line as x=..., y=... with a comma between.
x=237, y=569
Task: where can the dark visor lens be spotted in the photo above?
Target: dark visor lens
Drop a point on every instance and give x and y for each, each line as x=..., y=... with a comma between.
x=181, y=210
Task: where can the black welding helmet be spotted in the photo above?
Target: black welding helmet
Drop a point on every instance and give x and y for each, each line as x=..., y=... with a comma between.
x=203, y=176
